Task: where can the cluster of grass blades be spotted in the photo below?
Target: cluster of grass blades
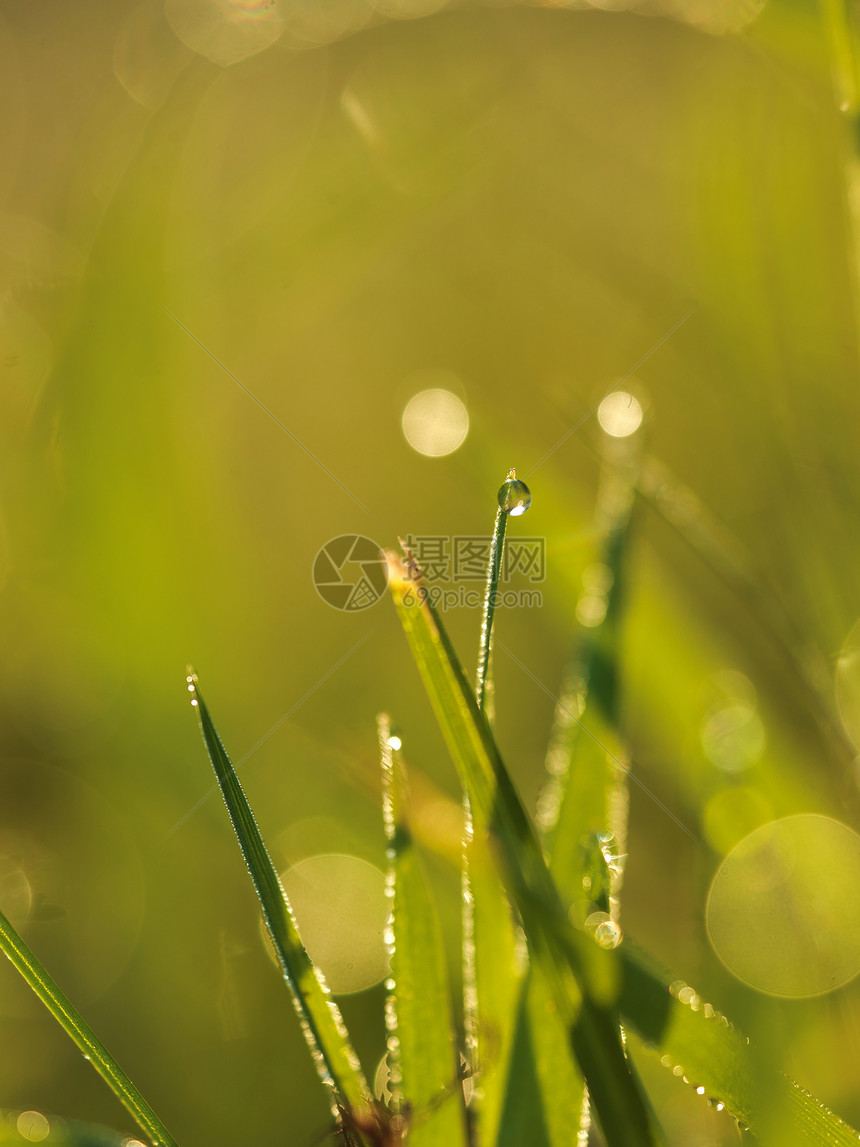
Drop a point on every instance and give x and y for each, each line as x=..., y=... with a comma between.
x=553, y=1001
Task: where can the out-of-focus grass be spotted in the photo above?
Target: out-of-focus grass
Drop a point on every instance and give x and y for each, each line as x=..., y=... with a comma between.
x=548, y=192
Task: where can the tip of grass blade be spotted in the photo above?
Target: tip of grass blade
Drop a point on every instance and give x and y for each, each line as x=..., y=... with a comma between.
x=325, y=1033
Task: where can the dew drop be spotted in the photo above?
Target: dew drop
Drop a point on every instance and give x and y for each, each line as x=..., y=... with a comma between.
x=514, y=496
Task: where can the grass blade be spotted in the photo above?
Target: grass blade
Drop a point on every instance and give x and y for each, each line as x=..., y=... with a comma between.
x=319, y=1016
x=671, y=1019
x=546, y=1102
x=65, y=1013
x=494, y=965
x=578, y=804
x=422, y=1049
x=587, y=761
x=579, y=974
x=494, y=956
x=704, y=1048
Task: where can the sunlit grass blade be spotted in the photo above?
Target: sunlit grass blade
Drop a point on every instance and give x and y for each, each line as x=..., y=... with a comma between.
x=494, y=967
x=584, y=802
x=546, y=1102
x=422, y=1051
x=324, y=1030
x=494, y=955
x=677, y=1025
x=586, y=790
x=579, y=974
x=704, y=1048
x=62, y=1009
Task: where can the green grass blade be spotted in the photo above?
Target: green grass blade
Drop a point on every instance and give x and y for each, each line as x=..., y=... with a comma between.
x=579, y=974
x=586, y=791
x=674, y=1022
x=578, y=803
x=493, y=955
x=704, y=1048
x=62, y=1009
x=495, y=960
x=319, y=1016
x=422, y=1049
x=546, y=1103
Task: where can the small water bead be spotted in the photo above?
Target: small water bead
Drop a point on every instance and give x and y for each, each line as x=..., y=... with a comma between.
x=514, y=496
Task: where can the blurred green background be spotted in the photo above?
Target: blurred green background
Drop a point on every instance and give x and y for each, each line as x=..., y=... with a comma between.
x=323, y=202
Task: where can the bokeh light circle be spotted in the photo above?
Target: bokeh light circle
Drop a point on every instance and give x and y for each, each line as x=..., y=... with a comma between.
x=620, y=414
x=33, y=1126
x=783, y=911
x=225, y=31
x=733, y=737
x=435, y=422
x=341, y=909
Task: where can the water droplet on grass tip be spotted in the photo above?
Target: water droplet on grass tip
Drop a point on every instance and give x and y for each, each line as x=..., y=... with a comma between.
x=514, y=497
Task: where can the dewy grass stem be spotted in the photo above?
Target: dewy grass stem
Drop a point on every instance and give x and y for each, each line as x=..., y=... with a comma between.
x=74, y=1025
x=486, y=644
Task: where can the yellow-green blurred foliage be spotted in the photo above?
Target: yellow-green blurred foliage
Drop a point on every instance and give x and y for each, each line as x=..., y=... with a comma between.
x=210, y=214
